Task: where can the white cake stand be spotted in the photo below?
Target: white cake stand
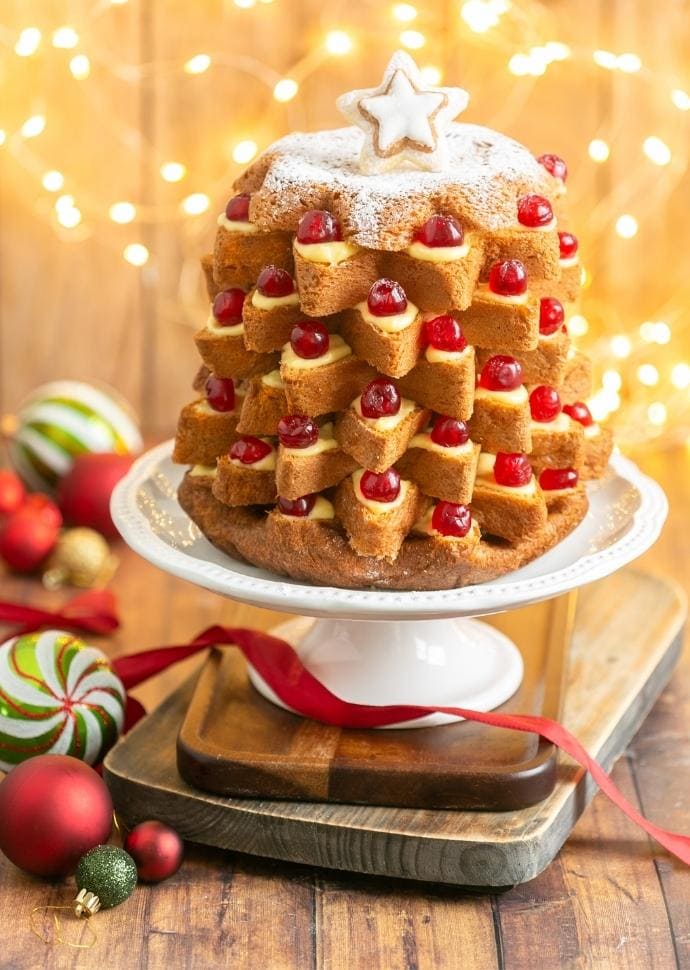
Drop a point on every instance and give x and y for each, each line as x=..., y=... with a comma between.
x=386, y=647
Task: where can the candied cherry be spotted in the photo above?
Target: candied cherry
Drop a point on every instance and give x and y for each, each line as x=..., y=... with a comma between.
x=237, y=209
x=318, y=226
x=220, y=393
x=445, y=333
x=380, y=398
x=544, y=403
x=551, y=315
x=451, y=520
x=386, y=298
x=508, y=278
x=512, y=469
x=555, y=478
x=568, y=244
x=440, y=231
x=534, y=211
x=449, y=432
x=501, y=373
x=579, y=412
x=227, y=306
x=310, y=339
x=297, y=507
x=380, y=486
x=555, y=165
x=248, y=450
x=297, y=431
x=274, y=281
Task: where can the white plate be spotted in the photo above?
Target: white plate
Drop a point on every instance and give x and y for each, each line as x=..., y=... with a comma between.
x=627, y=512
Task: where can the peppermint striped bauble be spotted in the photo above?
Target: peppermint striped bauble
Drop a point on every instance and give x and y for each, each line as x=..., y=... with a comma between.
x=64, y=419
x=57, y=696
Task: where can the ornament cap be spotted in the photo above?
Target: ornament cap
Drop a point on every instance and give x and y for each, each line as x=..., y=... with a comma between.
x=86, y=904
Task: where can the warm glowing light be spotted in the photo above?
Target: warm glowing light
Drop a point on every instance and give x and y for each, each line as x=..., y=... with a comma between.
x=585, y=278
x=578, y=325
x=53, y=181
x=414, y=39
x=648, y=375
x=605, y=59
x=557, y=50
x=680, y=376
x=33, y=126
x=244, y=4
x=681, y=99
x=195, y=204
x=598, y=150
x=173, y=171
x=136, y=253
x=338, y=42
x=662, y=332
x=626, y=226
x=628, y=63
x=64, y=202
x=65, y=38
x=657, y=413
x=80, y=66
x=69, y=217
x=404, y=12
x=520, y=65
x=3, y=136
x=197, y=64
x=122, y=212
x=612, y=380
x=244, y=151
x=656, y=150
x=28, y=42
x=482, y=15
x=285, y=89
x=621, y=346
x=118, y=3
x=431, y=74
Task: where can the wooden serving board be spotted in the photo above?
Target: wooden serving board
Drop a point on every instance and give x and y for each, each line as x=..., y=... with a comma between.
x=626, y=639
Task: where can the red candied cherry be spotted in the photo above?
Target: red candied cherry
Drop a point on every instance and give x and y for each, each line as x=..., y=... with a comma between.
x=512, y=469
x=220, y=393
x=274, y=281
x=297, y=431
x=227, y=306
x=386, y=298
x=380, y=486
x=310, y=339
x=248, y=450
x=318, y=226
x=568, y=244
x=551, y=315
x=445, y=333
x=579, y=412
x=298, y=507
x=451, y=520
x=501, y=373
x=440, y=231
x=379, y=398
x=237, y=209
x=534, y=211
x=555, y=478
x=544, y=403
x=449, y=432
x=555, y=165
x=508, y=278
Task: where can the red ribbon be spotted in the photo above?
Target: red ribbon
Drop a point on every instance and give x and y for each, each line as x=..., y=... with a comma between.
x=91, y=612
x=280, y=667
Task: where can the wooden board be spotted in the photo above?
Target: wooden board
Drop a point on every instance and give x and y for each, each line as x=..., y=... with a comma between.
x=233, y=742
x=626, y=640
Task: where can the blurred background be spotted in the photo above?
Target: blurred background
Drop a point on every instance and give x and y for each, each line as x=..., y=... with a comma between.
x=123, y=124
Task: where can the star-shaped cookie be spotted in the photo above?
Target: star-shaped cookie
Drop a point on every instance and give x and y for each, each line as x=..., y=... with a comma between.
x=403, y=119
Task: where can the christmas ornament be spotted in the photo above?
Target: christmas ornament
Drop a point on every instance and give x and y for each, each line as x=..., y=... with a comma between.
x=43, y=507
x=57, y=696
x=81, y=557
x=11, y=492
x=105, y=877
x=26, y=538
x=157, y=850
x=84, y=493
x=62, y=420
x=53, y=809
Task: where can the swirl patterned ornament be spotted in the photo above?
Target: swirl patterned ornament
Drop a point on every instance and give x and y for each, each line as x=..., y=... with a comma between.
x=57, y=696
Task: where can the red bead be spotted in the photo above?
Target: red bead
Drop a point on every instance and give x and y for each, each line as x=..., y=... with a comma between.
x=274, y=281
x=440, y=231
x=579, y=412
x=556, y=478
x=508, y=278
x=380, y=398
x=449, y=432
x=157, y=850
x=12, y=492
x=501, y=373
x=568, y=244
x=297, y=431
x=25, y=540
x=318, y=226
x=445, y=333
x=84, y=493
x=380, y=486
x=237, y=209
x=227, y=306
x=248, y=450
x=44, y=507
x=555, y=165
x=551, y=315
x=544, y=403
x=512, y=468
x=310, y=339
x=220, y=393
x=534, y=211
x=298, y=507
x=386, y=298
x=451, y=520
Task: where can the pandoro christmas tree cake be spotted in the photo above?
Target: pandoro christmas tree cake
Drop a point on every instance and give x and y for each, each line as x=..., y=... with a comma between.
x=389, y=393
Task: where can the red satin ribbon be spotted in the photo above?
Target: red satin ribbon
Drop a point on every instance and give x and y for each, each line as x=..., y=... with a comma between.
x=278, y=664
x=92, y=612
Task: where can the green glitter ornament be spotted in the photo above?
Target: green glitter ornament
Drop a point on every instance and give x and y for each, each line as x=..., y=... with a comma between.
x=105, y=877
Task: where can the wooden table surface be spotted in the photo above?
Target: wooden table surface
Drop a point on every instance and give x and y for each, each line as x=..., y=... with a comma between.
x=611, y=899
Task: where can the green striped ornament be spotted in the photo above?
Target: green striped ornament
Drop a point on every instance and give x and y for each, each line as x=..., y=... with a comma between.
x=57, y=696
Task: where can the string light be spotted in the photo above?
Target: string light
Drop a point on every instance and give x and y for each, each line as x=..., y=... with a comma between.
x=136, y=253
x=64, y=202
x=681, y=99
x=626, y=226
x=657, y=413
x=197, y=64
x=33, y=126
x=611, y=380
x=338, y=42
x=656, y=150
x=69, y=218
x=598, y=150
x=28, y=42
x=404, y=12
x=122, y=212
x=431, y=74
x=173, y=171
x=53, y=181
x=621, y=346
x=629, y=63
x=3, y=136
x=65, y=38
x=80, y=66
x=413, y=39
x=482, y=15
x=648, y=375
x=195, y=204
x=605, y=59
x=285, y=89
x=244, y=151
x=680, y=375
x=578, y=325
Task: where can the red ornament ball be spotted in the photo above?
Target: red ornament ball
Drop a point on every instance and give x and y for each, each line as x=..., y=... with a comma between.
x=53, y=809
x=26, y=538
x=44, y=508
x=157, y=850
x=12, y=492
x=84, y=493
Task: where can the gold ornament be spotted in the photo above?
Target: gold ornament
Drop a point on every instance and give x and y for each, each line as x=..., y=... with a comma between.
x=82, y=558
